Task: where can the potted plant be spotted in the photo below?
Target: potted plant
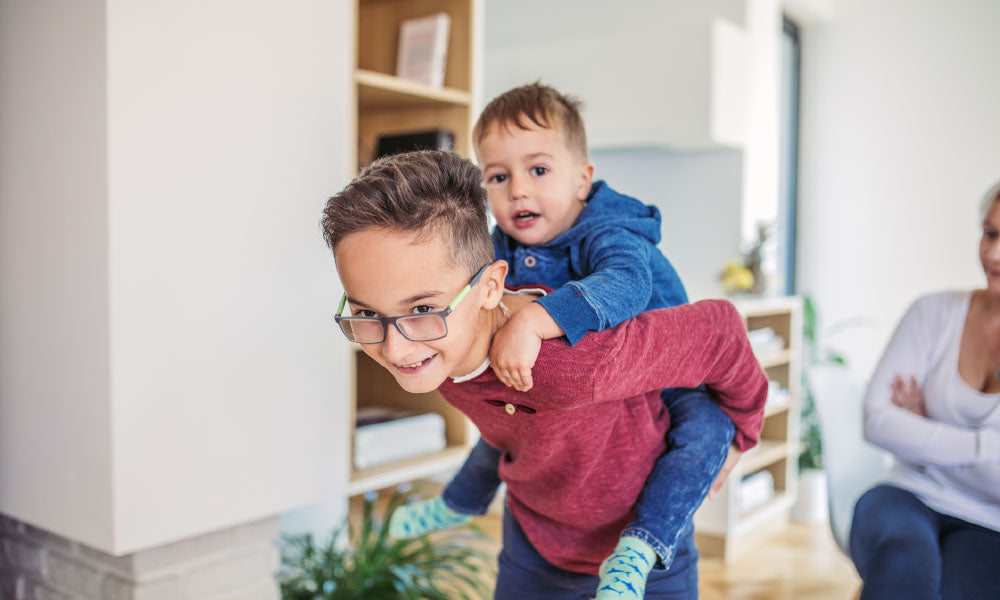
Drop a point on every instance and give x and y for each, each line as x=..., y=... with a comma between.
x=373, y=566
x=811, y=504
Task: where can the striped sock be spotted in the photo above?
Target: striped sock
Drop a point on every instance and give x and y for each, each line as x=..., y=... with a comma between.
x=418, y=518
x=624, y=573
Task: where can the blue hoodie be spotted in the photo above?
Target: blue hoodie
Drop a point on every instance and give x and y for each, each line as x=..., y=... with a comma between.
x=606, y=269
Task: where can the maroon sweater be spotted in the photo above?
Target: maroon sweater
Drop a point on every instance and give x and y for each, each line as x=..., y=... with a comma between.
x=579, y=445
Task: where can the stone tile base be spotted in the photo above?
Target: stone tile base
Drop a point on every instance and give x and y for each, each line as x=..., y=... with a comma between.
x=233, y=564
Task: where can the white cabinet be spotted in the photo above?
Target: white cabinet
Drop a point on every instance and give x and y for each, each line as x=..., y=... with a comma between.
x=651, y=74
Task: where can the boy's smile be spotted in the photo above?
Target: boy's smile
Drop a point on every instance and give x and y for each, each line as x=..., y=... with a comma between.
x=537, y=186
x=390, y=273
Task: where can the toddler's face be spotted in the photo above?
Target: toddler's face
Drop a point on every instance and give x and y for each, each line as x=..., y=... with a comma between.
x=536, y=185
x=389, y=273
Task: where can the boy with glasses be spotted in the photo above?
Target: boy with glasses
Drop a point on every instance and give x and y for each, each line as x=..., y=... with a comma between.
x=426, y=297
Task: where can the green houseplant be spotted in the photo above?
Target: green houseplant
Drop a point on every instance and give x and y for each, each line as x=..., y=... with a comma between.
x=812, y=452
x=812, y=499
x=373, y=566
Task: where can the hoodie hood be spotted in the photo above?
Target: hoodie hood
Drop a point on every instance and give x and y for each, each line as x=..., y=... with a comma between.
x=605, y=208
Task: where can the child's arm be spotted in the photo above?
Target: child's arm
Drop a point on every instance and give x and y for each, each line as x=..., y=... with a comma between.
x=515, y=346
x=617, y=287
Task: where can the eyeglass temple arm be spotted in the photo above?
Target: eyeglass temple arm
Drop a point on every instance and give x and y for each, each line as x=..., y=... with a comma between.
x=459, y=297
x=343, y=301
x=466, y=289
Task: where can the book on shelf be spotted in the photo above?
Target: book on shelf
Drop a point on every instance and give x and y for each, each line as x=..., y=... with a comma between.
x=384, y=434
x=777, y=396
x=423, y=49
x=431, y=139
x=765, y=342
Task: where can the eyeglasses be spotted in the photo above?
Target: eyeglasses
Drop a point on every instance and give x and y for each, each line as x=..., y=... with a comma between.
x=422, y=327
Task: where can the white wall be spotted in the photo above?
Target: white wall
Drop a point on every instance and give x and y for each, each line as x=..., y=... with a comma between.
x=645, y=69
x=214, y=386
x=55, y=440
x=900, y=133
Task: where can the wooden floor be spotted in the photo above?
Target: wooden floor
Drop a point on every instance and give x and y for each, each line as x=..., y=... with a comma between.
x=799, y=563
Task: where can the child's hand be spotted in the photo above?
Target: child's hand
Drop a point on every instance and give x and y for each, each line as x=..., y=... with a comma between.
x=514, y=351
x=906, y=393
x=731, y=459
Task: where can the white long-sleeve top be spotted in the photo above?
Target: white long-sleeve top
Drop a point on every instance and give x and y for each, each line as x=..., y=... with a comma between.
x=950, y=460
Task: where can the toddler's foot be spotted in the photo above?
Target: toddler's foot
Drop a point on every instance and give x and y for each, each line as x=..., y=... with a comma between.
x=623, y=574
x=412, y=520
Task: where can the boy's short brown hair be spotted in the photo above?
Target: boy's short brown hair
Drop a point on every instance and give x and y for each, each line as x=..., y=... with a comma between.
x=427, y=192
x=543, y=106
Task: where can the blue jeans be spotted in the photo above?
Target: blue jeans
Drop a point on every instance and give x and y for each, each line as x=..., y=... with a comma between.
x=904, y=549
x=524, y=575
x=697, y=444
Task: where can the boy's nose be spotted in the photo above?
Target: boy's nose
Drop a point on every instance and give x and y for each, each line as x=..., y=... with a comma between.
x=519, y=188
x=396, y=348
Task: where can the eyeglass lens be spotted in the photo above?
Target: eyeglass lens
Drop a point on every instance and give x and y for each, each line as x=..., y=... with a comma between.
x=416, y=328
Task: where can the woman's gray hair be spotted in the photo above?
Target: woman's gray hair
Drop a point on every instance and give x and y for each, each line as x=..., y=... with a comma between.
x=991, y=196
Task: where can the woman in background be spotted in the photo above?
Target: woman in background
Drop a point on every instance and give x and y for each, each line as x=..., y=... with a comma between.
x=932, y=528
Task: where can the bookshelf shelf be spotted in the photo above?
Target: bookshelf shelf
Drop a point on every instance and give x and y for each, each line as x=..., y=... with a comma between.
x=406, y=470
x=378, y=91
x=775, y=360
x=770, y=411
x=766, y=453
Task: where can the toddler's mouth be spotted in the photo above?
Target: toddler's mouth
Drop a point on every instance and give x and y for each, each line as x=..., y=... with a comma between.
x=523, y=218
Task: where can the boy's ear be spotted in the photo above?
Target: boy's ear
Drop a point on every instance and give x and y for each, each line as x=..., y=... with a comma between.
x=494, y=278
x=586, y=179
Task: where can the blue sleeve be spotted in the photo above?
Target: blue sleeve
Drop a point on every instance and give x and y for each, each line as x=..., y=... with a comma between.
x=618, y=286
x=670, y=287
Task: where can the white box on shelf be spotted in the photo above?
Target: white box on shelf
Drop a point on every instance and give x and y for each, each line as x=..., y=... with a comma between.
x=423, y=49
x=755, y=490
x=391, y=436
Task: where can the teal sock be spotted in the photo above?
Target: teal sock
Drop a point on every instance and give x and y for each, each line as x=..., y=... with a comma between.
x=412, y=520
x=624, y=573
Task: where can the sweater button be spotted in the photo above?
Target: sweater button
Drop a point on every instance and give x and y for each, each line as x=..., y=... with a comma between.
x=529, y=261
x=510, y=408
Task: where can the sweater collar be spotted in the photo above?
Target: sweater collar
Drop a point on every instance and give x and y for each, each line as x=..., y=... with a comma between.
x=470, y=376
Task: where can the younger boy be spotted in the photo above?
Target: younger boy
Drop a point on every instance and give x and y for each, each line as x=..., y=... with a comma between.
x=576, y=449
x=558, y=228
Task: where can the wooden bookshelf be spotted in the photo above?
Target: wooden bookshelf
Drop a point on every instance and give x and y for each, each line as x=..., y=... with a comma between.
x=387, y=104
x=722, y=528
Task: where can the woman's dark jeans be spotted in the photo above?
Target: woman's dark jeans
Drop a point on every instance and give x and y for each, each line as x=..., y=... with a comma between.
x=903, y=549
